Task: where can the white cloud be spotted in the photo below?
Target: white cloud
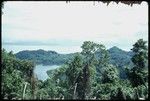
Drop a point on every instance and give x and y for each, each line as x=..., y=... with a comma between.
x=77, y=21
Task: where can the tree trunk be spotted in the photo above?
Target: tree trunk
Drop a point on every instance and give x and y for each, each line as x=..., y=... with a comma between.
x=74, y=94
x=24, y=90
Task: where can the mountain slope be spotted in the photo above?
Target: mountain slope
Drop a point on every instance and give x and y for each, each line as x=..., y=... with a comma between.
x=120, y=57
x=44, y=57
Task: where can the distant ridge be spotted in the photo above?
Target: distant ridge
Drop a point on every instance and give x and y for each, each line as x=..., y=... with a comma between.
x=41, y=56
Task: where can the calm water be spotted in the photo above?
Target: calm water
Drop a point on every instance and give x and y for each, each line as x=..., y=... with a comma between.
x=40, y=71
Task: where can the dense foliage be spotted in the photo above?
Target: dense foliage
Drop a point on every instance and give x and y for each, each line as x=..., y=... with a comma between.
x=16, y=74
x=87, y=75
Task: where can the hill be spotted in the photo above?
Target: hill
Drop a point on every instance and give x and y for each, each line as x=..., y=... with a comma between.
x=118, y=57
x=44, y=57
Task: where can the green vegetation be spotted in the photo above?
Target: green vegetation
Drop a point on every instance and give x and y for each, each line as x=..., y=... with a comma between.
x=87, y=75
x=44, y=57
x=16, y=74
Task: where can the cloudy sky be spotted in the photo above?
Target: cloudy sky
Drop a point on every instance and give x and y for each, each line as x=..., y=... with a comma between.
x=63, y=27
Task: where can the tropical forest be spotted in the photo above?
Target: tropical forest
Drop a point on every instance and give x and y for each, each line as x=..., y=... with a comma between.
x=74, y=50
x=87, y=75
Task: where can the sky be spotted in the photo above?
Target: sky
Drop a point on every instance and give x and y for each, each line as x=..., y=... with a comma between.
x=63, y=27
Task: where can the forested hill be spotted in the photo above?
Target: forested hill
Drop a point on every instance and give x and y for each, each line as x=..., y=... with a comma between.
x=117, y=56
x=44, y=57
x=120, y=57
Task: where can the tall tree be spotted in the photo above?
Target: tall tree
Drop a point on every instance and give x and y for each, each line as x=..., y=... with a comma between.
x=138, y=75
x=89, y=51
x=141, y=54
x=72, y=73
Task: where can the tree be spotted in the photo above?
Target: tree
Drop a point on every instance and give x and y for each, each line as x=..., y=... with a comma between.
x=14, y=73
x=72, y=74
x=119, y=95
x=141, y=54
x=59, y=84
x=109, y=74
x=138, y=75
x=87, y=76
x=85, y=79
x=106, y=88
